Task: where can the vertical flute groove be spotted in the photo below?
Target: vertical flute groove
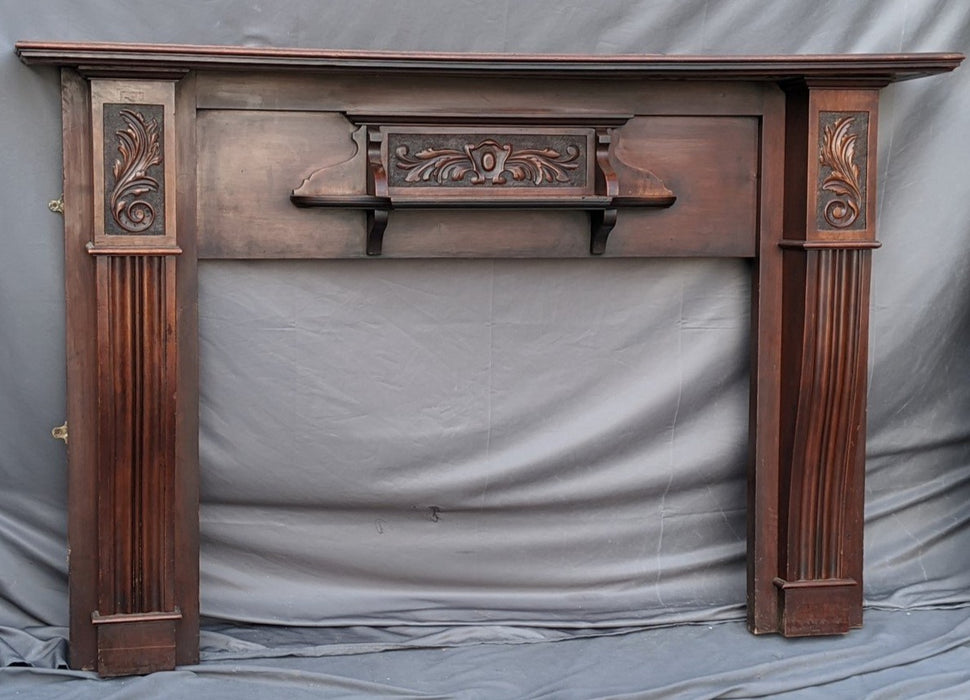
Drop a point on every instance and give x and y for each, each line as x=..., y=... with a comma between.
x=136, y=396
x=828, y=412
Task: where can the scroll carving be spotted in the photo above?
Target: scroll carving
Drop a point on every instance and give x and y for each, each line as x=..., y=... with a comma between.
x=839, y=152
x=488, y=163
x=135, y=198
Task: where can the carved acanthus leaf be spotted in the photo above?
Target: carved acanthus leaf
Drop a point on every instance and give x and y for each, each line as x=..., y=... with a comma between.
x=139, y=149
x=488, y=163
x=838, y=154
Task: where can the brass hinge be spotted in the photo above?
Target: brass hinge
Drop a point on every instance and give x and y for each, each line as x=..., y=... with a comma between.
x=57, y=205
x=60, y=432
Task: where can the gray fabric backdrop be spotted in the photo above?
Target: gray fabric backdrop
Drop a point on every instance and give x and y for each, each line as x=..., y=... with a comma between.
x=510, y=443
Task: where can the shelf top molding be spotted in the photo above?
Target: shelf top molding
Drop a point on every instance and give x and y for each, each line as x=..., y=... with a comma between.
x=161, y=57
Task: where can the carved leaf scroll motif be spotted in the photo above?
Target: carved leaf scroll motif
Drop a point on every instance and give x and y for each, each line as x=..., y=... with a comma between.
x=845, y=178
x=488, y=163
x=139, y=149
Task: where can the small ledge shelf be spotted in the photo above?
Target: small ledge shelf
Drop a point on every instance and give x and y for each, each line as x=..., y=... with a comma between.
x=602, y=210
x=364, y=201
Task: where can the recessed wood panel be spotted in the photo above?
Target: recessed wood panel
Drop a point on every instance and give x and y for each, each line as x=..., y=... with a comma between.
x=711, y=165
x=249, y=161
x=247, y=164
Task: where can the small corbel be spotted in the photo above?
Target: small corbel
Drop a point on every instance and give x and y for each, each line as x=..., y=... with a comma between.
x=601, y=222
x=376, y=187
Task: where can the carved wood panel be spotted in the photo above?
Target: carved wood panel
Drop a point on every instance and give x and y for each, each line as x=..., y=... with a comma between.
x=523, y=160
x=843, y=172
x=134, y=177
x=133, y=125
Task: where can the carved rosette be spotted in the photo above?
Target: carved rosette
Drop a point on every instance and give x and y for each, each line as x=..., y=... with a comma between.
x=843, y=160
x=134, y=188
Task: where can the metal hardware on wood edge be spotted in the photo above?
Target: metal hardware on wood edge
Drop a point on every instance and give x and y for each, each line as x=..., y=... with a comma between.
x=57, y=205
x=60, y=432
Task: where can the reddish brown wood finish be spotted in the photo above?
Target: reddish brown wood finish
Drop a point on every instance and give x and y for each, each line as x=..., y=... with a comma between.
x=786, y=178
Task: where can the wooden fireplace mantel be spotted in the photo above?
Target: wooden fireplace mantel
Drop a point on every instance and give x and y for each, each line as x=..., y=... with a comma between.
x=178, y=153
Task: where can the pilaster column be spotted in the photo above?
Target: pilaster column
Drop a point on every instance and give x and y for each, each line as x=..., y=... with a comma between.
x=134, y=248
x=829, y=235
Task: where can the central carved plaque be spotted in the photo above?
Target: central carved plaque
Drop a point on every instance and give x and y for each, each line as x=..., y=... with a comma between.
x=517, y=161
x=510, y=160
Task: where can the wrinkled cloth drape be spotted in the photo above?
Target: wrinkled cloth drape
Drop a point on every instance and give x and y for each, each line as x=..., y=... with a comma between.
x=504, y=455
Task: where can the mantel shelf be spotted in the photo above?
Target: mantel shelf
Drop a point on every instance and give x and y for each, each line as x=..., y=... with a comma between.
x=125, y=57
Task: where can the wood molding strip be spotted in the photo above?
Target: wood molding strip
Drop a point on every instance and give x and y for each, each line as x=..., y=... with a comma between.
x=888, y=67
